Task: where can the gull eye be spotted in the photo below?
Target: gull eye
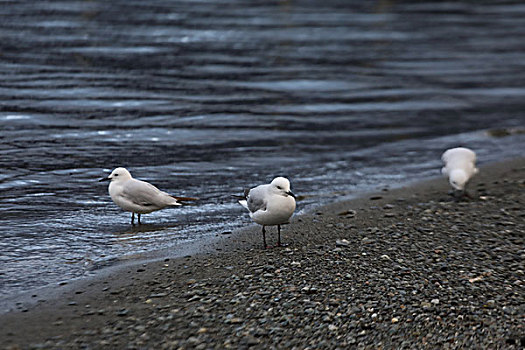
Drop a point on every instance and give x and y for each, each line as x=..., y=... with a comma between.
x=279, y=188
x=116, y=175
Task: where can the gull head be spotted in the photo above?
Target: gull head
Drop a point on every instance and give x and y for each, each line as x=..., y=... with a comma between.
x=119, y=174
x=281, y=185
x=458, y=179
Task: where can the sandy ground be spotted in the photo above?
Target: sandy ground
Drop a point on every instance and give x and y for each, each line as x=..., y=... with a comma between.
x=407, y=268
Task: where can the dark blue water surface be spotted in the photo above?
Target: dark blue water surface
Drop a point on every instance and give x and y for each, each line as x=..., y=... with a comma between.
x=203, y=98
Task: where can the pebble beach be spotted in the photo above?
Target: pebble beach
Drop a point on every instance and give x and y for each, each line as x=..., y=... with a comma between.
x=402, y=268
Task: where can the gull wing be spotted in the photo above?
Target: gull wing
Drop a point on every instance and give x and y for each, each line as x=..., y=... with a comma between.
x=459, y=154
x=256, y=199
x=145, y=194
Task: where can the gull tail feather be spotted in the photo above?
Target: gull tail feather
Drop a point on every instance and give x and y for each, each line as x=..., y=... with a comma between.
x=183, y=199
x=244, y=203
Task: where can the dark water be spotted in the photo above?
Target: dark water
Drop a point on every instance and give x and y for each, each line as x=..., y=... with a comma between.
x=203, y=98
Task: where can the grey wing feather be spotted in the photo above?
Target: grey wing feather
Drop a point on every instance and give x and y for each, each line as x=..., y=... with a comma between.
x=142, y=193
x=256, y=204
x=255, y=199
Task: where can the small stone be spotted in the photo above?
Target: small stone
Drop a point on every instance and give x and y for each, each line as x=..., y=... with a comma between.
x=158, y=295
x=342, y=243
x=508, y=310
x=251, y=340
x=235, y=320
x=351, y=340
x=122, y=312
x=193, y=340
x=395, y=320
x=435, y=301
x=332, y=328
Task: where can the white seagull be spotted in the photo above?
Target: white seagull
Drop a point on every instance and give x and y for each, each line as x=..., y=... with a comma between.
x=271, y=204
x=460, y=167
x=138, y=196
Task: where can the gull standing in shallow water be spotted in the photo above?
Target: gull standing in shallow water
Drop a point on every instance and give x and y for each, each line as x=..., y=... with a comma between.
x=138, y=196
x=269, y=205
x=460, y=167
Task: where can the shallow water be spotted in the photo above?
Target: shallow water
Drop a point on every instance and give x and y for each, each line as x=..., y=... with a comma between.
x=204, y=98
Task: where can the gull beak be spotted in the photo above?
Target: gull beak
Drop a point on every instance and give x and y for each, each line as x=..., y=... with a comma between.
x=104, y=179
x=290, y=193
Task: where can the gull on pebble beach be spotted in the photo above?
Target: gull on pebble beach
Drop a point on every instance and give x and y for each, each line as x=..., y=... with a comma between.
x=138, y=196
x=460, y=167
x=269, y=205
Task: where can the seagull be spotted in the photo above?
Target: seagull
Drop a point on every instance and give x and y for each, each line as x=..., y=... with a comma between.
x=270, y=204
x=460, y=167
x=138, y=196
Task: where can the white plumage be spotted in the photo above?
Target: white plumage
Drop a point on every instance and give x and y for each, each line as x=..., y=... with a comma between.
x=460, y=166
x=271, y=204
x=136, y=196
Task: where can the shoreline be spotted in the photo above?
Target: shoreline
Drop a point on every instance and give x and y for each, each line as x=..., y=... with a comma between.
x=363, y=271
x=21, y=301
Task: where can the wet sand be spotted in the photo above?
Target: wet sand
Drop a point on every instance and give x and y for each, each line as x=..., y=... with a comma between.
x=406, y=268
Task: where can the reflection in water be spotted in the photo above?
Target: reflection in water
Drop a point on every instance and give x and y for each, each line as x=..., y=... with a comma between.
x=131, y=231
x=205, y=99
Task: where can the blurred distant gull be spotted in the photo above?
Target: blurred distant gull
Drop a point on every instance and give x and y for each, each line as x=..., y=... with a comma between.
x=460, y=167
x=269, y=205
x=138, y=196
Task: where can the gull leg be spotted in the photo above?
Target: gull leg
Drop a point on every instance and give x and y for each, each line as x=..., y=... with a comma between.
x=264, y=237
x=278, y=235
x=133, y=219
x=139, y=218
